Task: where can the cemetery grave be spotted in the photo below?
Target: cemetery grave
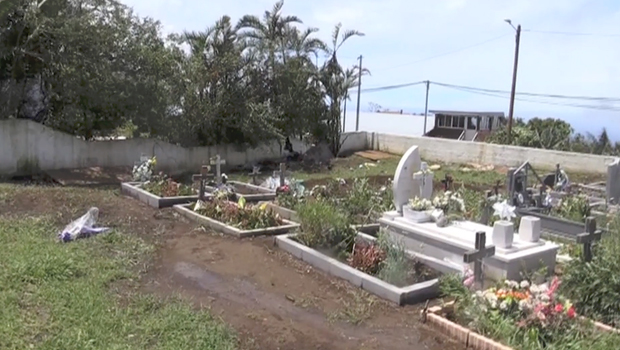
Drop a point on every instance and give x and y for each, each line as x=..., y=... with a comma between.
x=328, y=242
x=436, y=228
x=158, y=191
x=249, y=191
x=516, y=315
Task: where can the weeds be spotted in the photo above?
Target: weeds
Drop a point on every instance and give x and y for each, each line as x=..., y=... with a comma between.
x=323, y=225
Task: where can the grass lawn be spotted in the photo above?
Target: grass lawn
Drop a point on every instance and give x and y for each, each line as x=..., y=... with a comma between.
x=83, y=295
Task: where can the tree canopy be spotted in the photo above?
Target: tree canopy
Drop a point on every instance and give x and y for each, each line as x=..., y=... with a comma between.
x=93, y=68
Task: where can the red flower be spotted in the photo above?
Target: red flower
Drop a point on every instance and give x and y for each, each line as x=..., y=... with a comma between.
x=571, y=312
x=559, y=308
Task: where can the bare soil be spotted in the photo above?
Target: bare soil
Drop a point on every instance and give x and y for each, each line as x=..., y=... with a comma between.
x=273, y=300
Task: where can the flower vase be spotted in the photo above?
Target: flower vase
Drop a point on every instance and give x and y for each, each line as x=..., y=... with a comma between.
x=416, y=216
x=503, y=234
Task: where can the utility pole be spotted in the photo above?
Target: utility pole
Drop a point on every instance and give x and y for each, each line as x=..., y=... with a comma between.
x=428, y=83
x=359, y=91
x=514, y=79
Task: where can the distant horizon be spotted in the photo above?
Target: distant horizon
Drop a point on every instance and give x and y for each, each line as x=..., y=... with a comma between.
x=578, y=128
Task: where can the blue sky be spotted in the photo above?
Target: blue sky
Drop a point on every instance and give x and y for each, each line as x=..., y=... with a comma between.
x=415, y=40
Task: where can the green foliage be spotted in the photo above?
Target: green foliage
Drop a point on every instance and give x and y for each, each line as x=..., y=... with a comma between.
x=324, y=226
x=555, y=134
x=594, y=287
x=163, y=186
x=91, y=68
x=575, y=208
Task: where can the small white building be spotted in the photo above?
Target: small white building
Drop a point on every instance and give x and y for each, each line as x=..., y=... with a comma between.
x=467, y=126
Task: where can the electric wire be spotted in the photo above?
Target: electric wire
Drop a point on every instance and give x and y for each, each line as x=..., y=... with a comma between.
x=571, y=33
x=446, y=53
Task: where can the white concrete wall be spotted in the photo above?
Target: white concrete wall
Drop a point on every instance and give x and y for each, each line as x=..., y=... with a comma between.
x=463, y=152
x=26, y=145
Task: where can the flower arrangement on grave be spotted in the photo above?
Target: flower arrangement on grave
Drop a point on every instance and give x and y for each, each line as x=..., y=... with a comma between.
x=530, y=305
x=421, y=204
x=291, y=194
x=530, y=316
x=239, y=214
x=144, y=171
x=163, y=186
x=449, y=206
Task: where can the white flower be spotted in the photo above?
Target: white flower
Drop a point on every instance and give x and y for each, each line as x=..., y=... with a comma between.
x=493, y=304
x=503, y=305
x=524, y=284
x=544, y=298
x=524, y=305
x=511, y=284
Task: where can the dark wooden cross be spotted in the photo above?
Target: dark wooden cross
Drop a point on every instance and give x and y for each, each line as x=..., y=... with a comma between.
x=480, y=252
x=587, y=238
x=447, y=182
x=281, y=173
x=202, y=178
x=255, y=172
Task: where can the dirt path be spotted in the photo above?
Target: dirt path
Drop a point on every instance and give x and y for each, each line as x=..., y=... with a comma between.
x=277, y=302
x=273, y=300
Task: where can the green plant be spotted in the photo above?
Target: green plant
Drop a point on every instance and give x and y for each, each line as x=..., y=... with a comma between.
x=363, y=203
x=241, y=215
x=397, y=267
x=594, y=286
x=575, y=208
x=323, y=225
x=163, y=186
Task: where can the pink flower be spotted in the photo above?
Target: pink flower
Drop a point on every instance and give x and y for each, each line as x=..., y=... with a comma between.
x=469, y=281
x=571, y=312
x=559, y=308
x=555, y=284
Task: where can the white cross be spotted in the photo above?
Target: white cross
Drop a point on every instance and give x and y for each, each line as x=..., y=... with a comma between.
x=217, y=161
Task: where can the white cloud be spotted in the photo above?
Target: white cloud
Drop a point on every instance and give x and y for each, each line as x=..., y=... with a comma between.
x=399, y=32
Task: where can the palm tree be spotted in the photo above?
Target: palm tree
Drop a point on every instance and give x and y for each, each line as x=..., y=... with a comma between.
x=333, y=81
x=350, y=81
x=268, y=34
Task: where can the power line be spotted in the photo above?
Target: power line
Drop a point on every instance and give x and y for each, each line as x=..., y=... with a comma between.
x=585, y=106
x=587, y=98
x=389, y=87
x=571, y=33
x=446, y=53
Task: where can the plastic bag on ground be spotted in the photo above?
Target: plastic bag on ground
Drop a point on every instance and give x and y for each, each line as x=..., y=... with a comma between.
x=83, y=227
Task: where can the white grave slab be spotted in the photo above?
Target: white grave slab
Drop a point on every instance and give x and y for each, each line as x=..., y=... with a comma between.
x=404, y=186
x=451, y=242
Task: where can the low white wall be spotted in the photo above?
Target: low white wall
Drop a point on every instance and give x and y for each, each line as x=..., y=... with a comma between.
x=27, y=146
x=463, y=152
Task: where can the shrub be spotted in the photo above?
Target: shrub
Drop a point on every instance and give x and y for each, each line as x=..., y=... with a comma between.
x=323, y=225
x=163, y=186
x=246, y=217
x=594, y=286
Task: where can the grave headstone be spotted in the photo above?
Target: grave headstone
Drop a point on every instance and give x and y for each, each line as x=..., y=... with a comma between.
x=587, y=238
x=255, y=172
x=475, y=256
x=218, y=162
x=282, y=174
x=424, y=180
x=202, y=179
x=447, y=182
x=613, y=182
x=404, y=186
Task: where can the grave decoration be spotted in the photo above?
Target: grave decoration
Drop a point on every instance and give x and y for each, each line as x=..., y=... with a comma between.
x=515, y=252
x=143, y=171
x=419, y=207
x=527, y=314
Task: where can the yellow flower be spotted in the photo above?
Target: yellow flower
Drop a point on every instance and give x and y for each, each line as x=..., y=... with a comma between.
x=263, y=206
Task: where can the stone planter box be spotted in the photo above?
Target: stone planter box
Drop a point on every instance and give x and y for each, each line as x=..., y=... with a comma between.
x=471, y=339
x=285, y=213
x=400, y=295
x=186, y=210
x=251, y=193
x=415, y=215
x=134, y=190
